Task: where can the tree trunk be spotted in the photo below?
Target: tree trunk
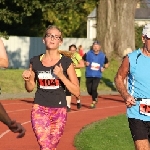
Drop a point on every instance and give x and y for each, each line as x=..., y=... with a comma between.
x=115, y=25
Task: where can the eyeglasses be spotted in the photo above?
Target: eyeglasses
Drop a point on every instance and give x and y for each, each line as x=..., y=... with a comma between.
x=55, y=37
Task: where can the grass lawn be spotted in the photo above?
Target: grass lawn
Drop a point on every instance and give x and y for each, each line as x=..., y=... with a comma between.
x=11, y=79
x=109, y=134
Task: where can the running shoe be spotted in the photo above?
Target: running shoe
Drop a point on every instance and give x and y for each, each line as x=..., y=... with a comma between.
x=92, y=106
x=68, y=109
x=96, y=99
x=78, y=105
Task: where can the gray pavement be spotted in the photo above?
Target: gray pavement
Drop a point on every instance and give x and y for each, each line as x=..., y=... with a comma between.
x=5, y=96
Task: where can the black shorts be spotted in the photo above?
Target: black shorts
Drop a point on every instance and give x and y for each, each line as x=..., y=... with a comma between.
x=140, y=130
x=68, y=93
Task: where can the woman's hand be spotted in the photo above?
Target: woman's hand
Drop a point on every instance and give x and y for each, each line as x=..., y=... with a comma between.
x=27, y=74
x=58, y=71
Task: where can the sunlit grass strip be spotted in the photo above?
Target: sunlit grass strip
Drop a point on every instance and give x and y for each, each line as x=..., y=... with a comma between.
x=108, y=134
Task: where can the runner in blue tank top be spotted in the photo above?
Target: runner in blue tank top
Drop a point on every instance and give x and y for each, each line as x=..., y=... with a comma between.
x=135, y=66
x=95, y=62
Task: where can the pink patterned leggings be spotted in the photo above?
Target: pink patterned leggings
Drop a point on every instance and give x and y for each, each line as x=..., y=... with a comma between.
x=48, y=125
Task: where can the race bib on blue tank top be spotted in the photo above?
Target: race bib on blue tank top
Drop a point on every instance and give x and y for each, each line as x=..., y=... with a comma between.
x=95, y=66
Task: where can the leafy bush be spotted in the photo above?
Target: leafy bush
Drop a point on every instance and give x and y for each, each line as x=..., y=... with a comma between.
x=138, y=36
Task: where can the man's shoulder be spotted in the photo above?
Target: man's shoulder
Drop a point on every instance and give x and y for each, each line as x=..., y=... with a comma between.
x=134, y=53
x=133, y=56
x=88, y=52
x=102, y=53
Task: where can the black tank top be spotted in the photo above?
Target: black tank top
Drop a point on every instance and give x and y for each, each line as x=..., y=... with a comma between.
x=50, y=89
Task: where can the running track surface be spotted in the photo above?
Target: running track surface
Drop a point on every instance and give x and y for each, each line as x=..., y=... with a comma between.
x=108, y=105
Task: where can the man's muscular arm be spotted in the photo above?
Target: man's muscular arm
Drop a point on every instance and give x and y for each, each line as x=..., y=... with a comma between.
x=121, y=76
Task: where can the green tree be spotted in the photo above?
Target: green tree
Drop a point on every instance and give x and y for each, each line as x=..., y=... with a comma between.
x=138, y=36
x=13, y=11
x=70, y=16
x=29, y=18
x=115, y=25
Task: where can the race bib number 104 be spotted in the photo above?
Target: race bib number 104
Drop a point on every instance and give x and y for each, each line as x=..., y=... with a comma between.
x=49, y=83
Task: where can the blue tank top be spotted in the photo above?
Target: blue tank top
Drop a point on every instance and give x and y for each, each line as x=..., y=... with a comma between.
x=139, y=82
x=96, y=62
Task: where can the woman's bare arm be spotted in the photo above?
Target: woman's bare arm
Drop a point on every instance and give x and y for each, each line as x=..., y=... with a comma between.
x=72, y=83
x=29, y=78
x=80, y=64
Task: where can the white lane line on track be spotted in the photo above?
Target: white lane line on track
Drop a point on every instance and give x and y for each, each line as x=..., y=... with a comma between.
x=7, y=131
x=18, y=110
x=97, y=108
x=16, y=103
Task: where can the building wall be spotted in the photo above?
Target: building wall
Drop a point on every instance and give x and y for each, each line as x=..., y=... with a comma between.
x=21, y=49
x=91, y=28
x=142, y=22
x=91, y=31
